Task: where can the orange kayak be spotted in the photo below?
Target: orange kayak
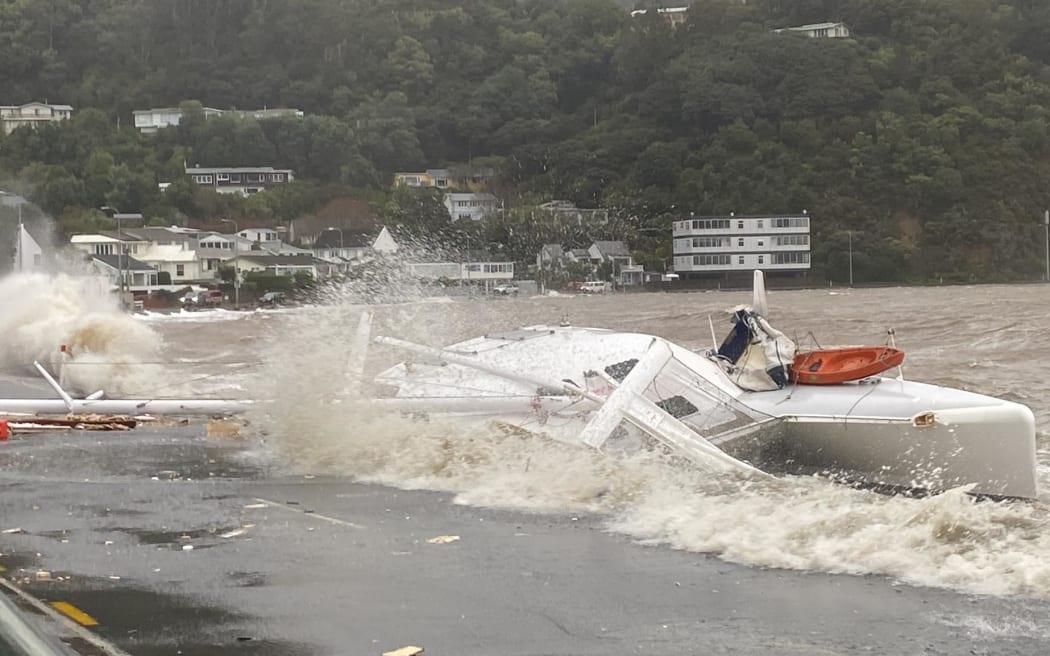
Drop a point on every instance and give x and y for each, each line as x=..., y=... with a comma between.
x=832, y=366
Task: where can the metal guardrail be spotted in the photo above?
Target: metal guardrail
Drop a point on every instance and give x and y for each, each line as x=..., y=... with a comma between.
x=20, y=638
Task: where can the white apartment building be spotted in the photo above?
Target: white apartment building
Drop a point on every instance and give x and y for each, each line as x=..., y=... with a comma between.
x=32, y=114
x=725, y=244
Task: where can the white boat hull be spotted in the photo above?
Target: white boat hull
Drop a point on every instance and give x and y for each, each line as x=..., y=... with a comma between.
x=881, y=432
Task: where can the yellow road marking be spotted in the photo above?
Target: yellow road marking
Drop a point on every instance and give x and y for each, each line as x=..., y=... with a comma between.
x=87, y=636
x=74, y=613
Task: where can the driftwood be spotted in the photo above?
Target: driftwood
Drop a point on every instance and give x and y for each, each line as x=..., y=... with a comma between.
x=74, y=422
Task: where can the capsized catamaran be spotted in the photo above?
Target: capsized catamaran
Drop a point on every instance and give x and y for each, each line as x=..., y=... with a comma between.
x=734, y=409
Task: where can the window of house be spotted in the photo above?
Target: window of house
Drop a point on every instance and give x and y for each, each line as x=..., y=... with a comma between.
x=441, y=182
x=277, y=177
x=741, y=259
x=740, y=225
x=222, y=177
x=760, y=258
x=740, y=242
x=464, y=216
x=761, y=242
x=235, y=177
x=759, y=224
x=254, y=177
x=180, y=270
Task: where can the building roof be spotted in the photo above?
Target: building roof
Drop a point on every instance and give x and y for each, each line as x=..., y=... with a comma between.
x=341, y=238
x=470, y=196
x=127, y=263
x=191, y=170
x=90, y=238
x=154, y=110
x=811, y=27
x=159, y=234
x=279, y=260
x=612, y=248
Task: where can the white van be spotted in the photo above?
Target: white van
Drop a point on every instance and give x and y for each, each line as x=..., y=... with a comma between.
x=595, y=287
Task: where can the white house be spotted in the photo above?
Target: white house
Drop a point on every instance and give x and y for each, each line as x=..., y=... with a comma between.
x=179, y=260
x=339, y=245
x=673, y=15
x=724, y=244
x=13, y=117
x=138, y=276
x=486, y=272
x=819, y=30
x=470, y=207
x=261, y=236
x=626, y=271
x=565, y=210
x=149, y=121
x=279, y=265
x=109, y=242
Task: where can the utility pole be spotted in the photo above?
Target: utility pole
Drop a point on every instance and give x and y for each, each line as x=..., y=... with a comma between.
x=850, y=257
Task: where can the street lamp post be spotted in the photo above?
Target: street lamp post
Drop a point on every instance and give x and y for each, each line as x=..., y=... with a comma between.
x=236, y=271
x=116, y=215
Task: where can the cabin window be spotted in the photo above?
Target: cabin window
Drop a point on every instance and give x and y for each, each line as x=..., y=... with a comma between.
x=180, y=270
x=677, y=406
x=620, y=370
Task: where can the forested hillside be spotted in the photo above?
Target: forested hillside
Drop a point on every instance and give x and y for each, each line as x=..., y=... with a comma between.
x=927, y=134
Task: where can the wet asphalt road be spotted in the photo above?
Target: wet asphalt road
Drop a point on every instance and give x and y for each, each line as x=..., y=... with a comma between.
x=328, y=566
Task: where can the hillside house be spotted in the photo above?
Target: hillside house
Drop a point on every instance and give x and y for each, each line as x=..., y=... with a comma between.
x=459, y=178
x=149, y=121
x=32, y=114
x=243, y=180
x=818, y=30
x=674, y=16
x=470, y=207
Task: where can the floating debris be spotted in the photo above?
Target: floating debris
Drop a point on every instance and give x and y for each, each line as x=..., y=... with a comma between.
x=226, y=428
x=404, y=651
x=443, y=539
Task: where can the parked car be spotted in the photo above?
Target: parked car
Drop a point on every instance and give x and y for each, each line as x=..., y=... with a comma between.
x=505, y=290
x=271, y=299
x=206, y=298
x=595, y=287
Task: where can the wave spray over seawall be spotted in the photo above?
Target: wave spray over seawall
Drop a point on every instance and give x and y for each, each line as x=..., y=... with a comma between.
x=805, y=523
x=44, y=311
